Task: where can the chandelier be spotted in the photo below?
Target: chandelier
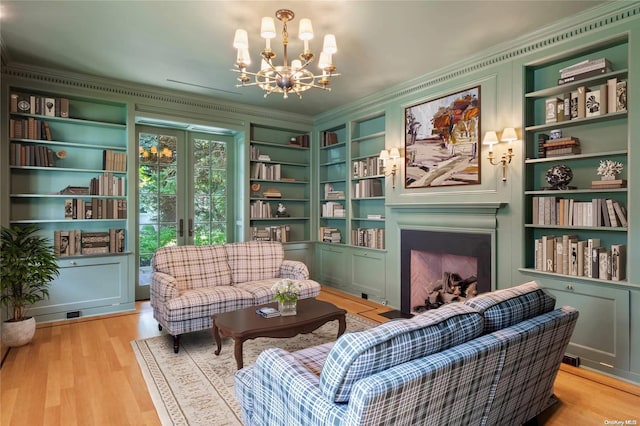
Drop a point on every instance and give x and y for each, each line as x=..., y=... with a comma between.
x=288, y=77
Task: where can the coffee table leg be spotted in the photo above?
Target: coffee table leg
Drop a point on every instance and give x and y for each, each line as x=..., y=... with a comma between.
x=216, y=336
x=342, y=325
x=238, y=352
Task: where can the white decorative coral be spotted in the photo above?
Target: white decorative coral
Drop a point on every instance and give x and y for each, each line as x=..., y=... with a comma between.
x=609, y=168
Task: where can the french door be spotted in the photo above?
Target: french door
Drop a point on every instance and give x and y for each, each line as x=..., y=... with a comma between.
x=182, y=193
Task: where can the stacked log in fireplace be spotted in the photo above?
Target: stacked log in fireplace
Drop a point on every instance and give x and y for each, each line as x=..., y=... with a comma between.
x=451, y=288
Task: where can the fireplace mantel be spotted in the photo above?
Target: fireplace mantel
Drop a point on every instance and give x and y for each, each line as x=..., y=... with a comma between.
x=466, y=215
x=448, y=206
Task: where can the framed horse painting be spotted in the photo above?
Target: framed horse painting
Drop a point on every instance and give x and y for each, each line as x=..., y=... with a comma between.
x=441, y=141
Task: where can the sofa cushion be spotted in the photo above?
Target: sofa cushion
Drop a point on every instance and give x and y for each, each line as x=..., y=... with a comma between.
x=360, y=354
x=509, y=306
x=194, y=266
x=204, y=302
x=254, y=260
x=262, y=293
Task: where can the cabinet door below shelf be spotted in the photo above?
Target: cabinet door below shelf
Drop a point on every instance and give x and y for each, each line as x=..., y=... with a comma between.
x=601, y=336
x=91, y=286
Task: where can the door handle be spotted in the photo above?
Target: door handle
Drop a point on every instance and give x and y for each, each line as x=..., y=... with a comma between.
x=191, y=227
x=181, y=228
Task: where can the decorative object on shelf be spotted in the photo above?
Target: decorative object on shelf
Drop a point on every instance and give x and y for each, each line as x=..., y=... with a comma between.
x=281, y=211
x=608, y=169
x=491, y=138
x=389, y=159
x=28, y=266
x=61, y=154
x=255, y=187
x=441, y=141
x=287, y=293
x=559, y=177
x=290, y=76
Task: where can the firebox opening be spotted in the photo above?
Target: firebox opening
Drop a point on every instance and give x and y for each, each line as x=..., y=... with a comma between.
x=441, y=267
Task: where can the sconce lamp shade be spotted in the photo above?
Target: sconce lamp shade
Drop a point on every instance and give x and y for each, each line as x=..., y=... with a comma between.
x=509, y=135
x=490, y=138
x=384, y=155
x=394, y=153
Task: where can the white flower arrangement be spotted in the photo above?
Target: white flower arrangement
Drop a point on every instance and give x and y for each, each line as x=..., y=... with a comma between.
x=286, y=291
x=609, y=168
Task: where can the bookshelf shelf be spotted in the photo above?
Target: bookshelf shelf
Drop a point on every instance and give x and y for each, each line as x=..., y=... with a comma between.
x=286, y=171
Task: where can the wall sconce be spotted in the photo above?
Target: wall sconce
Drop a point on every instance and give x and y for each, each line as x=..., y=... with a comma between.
x=491, y=138
x=390, y=156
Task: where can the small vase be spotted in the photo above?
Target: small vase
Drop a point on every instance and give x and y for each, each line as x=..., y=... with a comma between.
x=287, y=308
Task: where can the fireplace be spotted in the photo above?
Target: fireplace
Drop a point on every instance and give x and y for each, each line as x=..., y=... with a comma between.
x=438, y=267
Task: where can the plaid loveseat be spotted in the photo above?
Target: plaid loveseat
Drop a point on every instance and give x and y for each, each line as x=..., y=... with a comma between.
x=489, y=361
x=189, y=284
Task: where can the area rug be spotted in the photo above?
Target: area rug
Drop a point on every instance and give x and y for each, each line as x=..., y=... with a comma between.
x=195, y=387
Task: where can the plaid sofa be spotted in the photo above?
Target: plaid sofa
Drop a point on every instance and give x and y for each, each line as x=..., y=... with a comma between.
x=189, y=284
x=489, y=361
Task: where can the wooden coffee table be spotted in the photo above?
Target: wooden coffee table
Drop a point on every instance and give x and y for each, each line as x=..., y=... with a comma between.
x=245, y=324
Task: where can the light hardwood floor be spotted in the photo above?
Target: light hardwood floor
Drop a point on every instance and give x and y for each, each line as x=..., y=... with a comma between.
x=84, y=372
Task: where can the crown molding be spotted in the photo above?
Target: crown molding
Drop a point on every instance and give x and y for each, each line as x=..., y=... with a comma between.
x=139, y=94
x=596, y=19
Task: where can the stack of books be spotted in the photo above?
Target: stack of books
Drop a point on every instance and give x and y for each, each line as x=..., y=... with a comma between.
x=562, y=146
x=585, y=69
x=609, y=184
x=268, y=312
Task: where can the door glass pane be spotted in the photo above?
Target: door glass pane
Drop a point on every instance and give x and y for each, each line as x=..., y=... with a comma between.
x=157, y=187
x=209, y=191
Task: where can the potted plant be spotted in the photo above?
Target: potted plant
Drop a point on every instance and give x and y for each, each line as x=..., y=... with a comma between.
x=27, y=267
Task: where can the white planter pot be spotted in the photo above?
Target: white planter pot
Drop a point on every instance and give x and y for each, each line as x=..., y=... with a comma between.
x=18, y=333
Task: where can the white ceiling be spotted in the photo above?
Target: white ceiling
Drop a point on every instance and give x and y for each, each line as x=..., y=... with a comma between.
x=380, y=43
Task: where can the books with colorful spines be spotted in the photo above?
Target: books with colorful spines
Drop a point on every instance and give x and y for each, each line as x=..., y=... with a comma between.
x=268, y=312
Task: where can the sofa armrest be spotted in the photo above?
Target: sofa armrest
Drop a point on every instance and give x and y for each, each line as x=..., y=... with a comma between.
x=163, y=287
x=286, y=392
x=294, y=269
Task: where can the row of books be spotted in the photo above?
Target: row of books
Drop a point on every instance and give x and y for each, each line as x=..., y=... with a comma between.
x=584, y=69
x=29, y=128
x=367, y=188
x=281, y=233
x=569, y=212
x=77, y=242
x=37, y=104
x=31, y=155
x=371, y=166
x=567, y=255
x=300, y=140
x=368, y=237
x=97, y=208
x=108, y=184
x=115, y=161
x=266, y=171
x=330, y=235
x=260, y=210
x=328, y=138
x=333, y=209
x=584, y=102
